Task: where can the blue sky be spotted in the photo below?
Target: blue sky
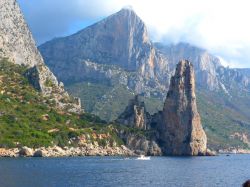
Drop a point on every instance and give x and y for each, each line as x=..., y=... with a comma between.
x=222, y=26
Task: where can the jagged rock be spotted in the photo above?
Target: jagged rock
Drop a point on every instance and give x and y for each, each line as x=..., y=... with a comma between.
x=180, y=128
x=135, y=115
x=18, y=45
x=140, y=143
x=209, y=71
x=142, y=146
x=210, y=153
x=25, y=151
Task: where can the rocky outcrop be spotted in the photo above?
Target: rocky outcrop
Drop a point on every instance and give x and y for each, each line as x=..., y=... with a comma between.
x=135, y=115
x=180, y=128
x=141, y=142
x=142, y=146
x=26, y=152
x=18, y=45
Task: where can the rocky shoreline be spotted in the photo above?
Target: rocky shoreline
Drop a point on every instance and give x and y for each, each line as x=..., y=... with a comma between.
x=234, y=151
x=90, y=150
x=57, y=151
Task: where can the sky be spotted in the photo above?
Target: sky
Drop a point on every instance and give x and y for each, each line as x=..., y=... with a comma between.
x=220, y=26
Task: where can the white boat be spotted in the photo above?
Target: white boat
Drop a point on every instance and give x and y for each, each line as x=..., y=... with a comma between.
x=142, y=157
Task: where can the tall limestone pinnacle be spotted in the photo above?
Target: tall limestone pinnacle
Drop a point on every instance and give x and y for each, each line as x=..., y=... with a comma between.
x=178, y=125
x=18, y=46
x=181, y=130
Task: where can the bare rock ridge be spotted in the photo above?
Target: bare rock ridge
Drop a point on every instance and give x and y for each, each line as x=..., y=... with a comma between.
x=179, y=125
x=180, y=129
x=209, y=71
x=18, y=45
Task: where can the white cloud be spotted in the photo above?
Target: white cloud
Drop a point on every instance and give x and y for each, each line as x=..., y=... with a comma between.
x=221, y=26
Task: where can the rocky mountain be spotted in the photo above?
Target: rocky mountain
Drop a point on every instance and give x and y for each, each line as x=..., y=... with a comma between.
x=210, y=73
x=18, y=46
x=115, y=59
x=123, y=53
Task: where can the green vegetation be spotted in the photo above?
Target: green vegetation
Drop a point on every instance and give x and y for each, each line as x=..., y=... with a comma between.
x=88, y=92
x=221, y=118
x=48, y=83
x=104, y=101
x=28, y=118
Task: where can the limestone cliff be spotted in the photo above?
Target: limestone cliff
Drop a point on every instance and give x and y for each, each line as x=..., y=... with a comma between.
x=180, y=128
x=18, y=45
x=119, y=42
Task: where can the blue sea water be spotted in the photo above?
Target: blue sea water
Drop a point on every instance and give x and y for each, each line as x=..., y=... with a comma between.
x=224, y=171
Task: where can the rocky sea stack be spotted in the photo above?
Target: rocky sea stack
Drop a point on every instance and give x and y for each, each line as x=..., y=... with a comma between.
x=177, y=128
x=180, y=128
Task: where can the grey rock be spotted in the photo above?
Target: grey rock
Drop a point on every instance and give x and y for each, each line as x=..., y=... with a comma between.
x=210, y=73
x=116, y=50
x=18, y=45
x=180, y=127
x=26, y=152
x=143, y=146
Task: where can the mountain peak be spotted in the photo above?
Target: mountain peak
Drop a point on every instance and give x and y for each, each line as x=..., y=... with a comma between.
x=127, y=8
x=127, y=13
x=116, y=40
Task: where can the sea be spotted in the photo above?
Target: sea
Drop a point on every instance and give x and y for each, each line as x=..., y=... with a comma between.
x=222, y=170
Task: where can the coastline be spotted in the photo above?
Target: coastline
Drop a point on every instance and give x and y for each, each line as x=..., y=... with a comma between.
x=89, y=150
x=234, y=151
x=57, y=151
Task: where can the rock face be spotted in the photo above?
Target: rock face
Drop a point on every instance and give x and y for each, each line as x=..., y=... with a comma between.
x=135, y=115
x=142, y=146
x=109, y=51
x=180, y=128
x=18, y=45
x=16, y=42
x=210, y=73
